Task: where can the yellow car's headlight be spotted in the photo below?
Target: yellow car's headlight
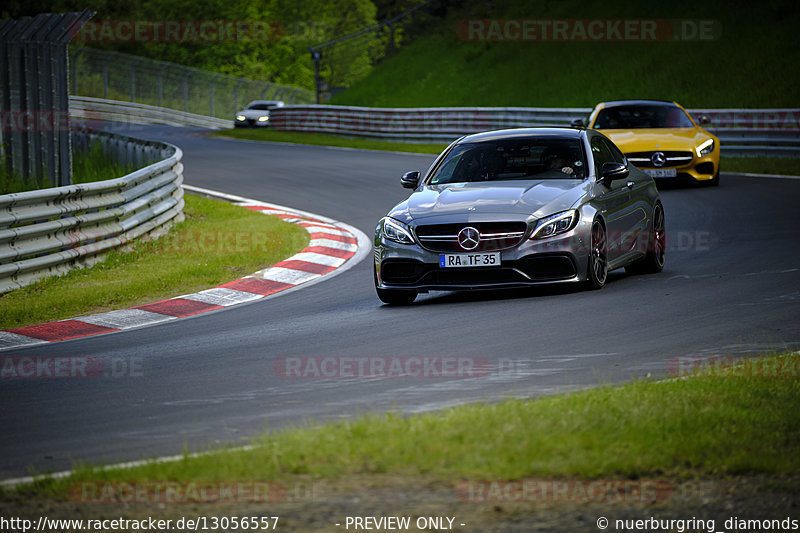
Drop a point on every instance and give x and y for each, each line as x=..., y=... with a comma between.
x=705, y=148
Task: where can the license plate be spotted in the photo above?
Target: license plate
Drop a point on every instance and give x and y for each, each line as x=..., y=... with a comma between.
x=469, y=260
x=661, y=172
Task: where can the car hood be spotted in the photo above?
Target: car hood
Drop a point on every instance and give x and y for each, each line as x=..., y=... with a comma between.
x=482, y=201
x=253, y=113
x=679, y=139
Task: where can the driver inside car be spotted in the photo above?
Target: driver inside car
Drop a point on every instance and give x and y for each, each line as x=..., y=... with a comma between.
x=558, y=161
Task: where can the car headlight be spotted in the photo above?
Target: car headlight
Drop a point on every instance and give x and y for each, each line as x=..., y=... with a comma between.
x=240, y=117
x=263, y=119
x=396, y=231
x=555, y=224
x=705, y=148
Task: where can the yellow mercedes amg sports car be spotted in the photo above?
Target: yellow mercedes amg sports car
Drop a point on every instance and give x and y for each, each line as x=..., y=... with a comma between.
x=660, y=138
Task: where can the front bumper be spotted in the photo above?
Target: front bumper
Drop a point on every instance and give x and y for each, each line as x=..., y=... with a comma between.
x=560, y=259
x=699, y=169
x=250, y=123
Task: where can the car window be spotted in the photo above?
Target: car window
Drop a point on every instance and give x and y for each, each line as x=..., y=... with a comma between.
x=601, y=152
x=640, y=116
x=616, y=155
x=512, y=159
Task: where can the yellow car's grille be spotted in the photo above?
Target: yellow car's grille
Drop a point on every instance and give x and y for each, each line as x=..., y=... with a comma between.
x=653, y=158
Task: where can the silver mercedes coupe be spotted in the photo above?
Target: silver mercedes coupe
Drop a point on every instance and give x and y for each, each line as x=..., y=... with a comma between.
x=517, y=208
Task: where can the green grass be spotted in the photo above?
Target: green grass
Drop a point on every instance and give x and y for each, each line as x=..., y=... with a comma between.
x=717, y=422
x=218, y=242
x=762, y=165
x=439, y=69
x=93, y=165
x=323, y=139
x=96, y=165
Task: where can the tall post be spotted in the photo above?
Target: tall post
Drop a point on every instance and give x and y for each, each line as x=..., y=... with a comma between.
x=186, y=89
x=316, y=56
x=211, y=93
x=105, y=73
x=161, y=82
x=236, y=93
x=133, y=78
x=75, y=57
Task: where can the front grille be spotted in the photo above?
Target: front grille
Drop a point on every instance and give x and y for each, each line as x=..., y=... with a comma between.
x=534, y=268
x=673, y=159
x=494, y=236
x=473, y=276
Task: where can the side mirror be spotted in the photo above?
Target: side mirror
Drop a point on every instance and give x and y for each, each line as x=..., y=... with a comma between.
x=410, y=180
x=703, y=120
x=613, y=171
x=577, y=123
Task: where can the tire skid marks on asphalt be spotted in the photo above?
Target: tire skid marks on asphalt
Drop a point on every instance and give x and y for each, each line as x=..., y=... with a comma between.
x=330, y=247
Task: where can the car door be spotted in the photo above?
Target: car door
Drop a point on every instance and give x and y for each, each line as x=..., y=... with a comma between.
x=613, y=199
x=633, y=221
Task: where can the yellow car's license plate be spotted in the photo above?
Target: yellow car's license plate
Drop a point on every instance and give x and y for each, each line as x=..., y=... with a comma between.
x=661, y=172
x=469, y=260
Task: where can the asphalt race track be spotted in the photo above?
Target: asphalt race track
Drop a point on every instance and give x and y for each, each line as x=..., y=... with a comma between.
x=731, y=285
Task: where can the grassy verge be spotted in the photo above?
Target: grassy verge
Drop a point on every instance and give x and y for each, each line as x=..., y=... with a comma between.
x=322, y=139
x=761, y=165
x=218, y=242
x=721, y=420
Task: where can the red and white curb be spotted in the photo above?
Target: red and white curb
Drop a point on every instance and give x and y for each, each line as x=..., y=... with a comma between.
x=334, y=247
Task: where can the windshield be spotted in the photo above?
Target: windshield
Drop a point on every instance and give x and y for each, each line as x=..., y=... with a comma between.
x=515, y=159
x=642, y=116
x=262, y=107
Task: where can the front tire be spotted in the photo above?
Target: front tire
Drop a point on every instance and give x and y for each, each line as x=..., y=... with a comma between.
x=653, y=261
x=598, y=257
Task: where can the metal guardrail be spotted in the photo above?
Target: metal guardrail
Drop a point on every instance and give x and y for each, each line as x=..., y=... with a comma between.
x=742, y=132
x=88, y=109
x=51, y=231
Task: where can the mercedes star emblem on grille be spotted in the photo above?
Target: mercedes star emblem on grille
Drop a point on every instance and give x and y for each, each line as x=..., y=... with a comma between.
x=469, y=238
x=658, y=159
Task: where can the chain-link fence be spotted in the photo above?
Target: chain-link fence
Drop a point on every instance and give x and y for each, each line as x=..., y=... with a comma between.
x=118, y=76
